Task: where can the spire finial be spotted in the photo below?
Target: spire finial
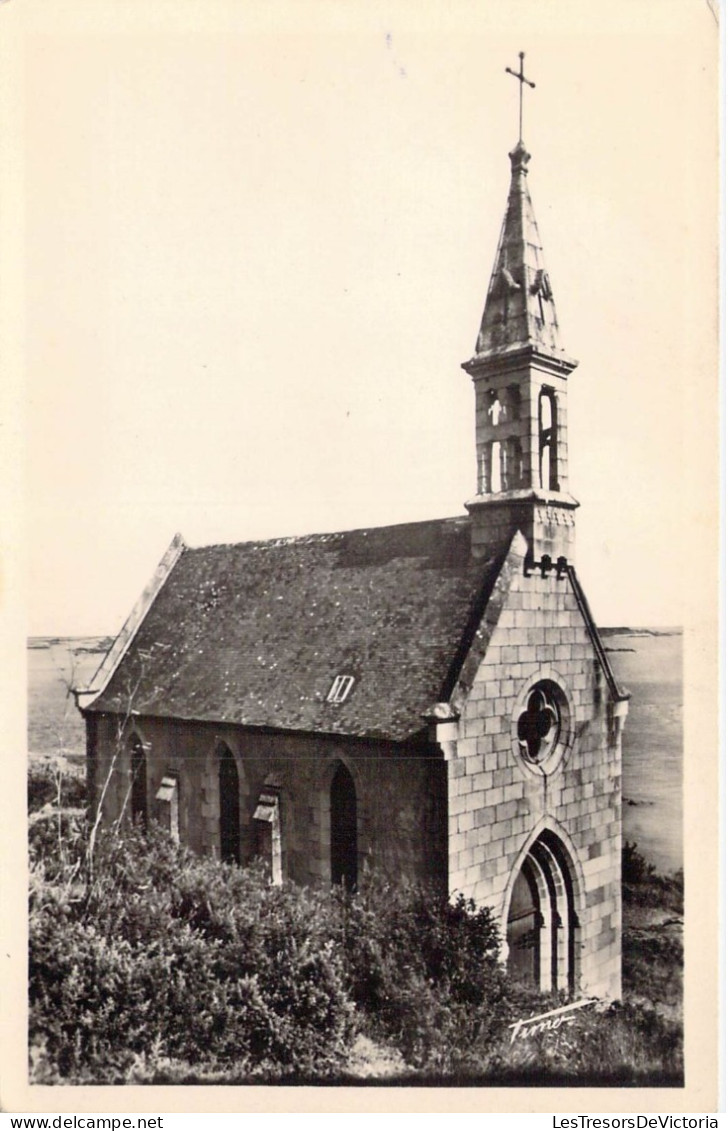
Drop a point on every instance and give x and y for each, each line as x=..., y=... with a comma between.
x=521, y=79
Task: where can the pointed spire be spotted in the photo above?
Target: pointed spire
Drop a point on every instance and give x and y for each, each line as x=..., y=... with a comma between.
x=519, y=308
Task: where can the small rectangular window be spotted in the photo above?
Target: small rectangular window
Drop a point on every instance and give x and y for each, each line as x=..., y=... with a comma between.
x=340, y=688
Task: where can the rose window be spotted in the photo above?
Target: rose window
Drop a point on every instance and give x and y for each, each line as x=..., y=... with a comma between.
x=539, y=726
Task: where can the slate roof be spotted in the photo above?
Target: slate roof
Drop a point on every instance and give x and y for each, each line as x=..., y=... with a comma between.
x=255, y=633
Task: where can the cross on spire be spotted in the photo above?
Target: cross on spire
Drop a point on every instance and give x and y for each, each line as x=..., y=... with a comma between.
x=521, y=79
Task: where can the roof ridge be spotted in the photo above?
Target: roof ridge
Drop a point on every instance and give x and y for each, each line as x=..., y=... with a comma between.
x=324, y=535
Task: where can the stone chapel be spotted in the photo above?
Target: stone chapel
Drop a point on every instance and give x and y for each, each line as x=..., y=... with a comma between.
x=429, y=700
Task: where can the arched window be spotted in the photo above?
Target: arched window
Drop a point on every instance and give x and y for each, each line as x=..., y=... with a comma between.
x=496, y=483
x=484, y=470
x=229, y=785
x=343, y=828
x=547, y=441
x=138, y=781
x=511, y=464
x=542, y=929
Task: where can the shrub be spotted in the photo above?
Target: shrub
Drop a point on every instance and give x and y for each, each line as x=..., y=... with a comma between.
x=160, y=957
x=159, y=965
x=424, y=972
x=636, y=869
x=167, y=955
x=643, y=885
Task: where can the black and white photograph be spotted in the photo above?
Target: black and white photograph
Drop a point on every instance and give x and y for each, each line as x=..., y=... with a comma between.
x=367, y=566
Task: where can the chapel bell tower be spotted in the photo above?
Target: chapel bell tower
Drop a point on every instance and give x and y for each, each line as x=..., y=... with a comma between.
x=520, y=372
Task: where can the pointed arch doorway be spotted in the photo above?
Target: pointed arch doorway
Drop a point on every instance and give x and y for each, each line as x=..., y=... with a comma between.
x=542, y=929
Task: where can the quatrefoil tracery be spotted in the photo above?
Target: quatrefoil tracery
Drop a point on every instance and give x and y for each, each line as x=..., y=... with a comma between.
x=539, y=726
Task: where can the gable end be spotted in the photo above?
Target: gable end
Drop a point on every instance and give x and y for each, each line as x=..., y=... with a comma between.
x=85, y=697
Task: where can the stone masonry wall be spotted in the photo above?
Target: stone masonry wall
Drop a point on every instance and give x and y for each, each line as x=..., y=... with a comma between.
x=498, y=803
x=547, y=527
x=401, y=792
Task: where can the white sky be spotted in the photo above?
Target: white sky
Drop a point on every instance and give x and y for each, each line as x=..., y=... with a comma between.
x=257, y=252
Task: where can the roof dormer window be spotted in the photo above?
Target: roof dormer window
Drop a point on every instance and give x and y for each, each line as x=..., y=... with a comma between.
x=340, y=689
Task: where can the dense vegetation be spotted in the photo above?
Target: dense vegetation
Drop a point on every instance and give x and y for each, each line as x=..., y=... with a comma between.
x=150, y=964
x=652, y=956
